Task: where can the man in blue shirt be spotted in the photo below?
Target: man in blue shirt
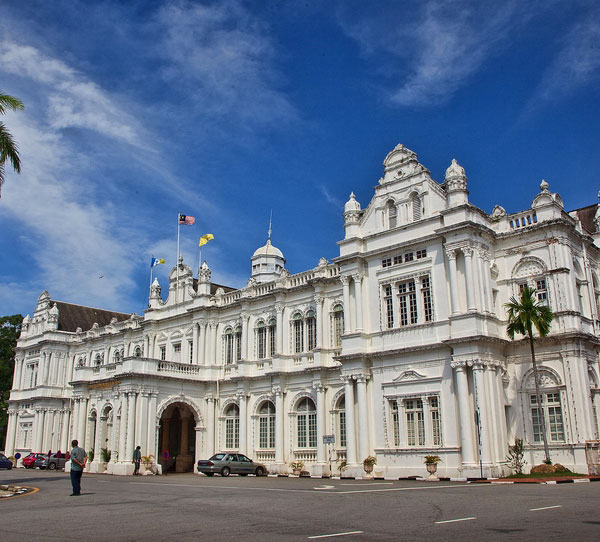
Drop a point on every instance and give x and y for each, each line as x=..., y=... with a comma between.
x=78, y=461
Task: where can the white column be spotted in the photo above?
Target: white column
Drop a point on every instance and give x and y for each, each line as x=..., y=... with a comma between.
x=202, y=343
x=427, y=421
x=451, y=255
x=279, y=416
x=83, y=415
x=16, y=375
x=483, y=280
x=350, y=423
x=358, y=300
x=75, y=430
x=481, y=405
x=64, y=434
x=363, y=418
x=470, y=283
x=196, y=344
x=321, y=449
x=279, y=331
x=39, y=429
x=245, y=319
x=319, y=326
x=114, y=433
x=98, y=438
x=242, y=399
x=464, y=413
x=213, y=342
x=123, y=427
x=151, y=445
x=10, y=433
x=347, y=313
x=129, y=444
x=210, y=426
x=143, y=435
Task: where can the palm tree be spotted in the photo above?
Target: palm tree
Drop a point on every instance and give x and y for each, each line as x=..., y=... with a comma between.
x=523, y=315
x=8, y=147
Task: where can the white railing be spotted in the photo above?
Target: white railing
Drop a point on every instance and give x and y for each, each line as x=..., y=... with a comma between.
x=178, y=368
x=267, y=456
x=306, y=456
x=521, y=220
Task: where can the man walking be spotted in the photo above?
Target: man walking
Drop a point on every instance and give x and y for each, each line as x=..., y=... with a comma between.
x=78, y=461
x=137, y=457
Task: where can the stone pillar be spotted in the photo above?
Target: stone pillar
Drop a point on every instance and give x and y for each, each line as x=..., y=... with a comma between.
x=39, y=429
x=75, y=430
x=321, y=447
x=451, y=255
x=279, y=309
x=123, y=427
x=10, y=433
x=279, y=416
x=64, y=434
x=363, y=418
x=350, y=423
x=481, y=405
x=151, y=445
x=470, y=287
x=347, y=313
x=98, y=438
x=464, y=413
x=83, y=415
x=358, y=301
x=202, y=358
x=242, y=399
x=129, y=445
x=213, y=342
x=483, y=280
x=245, y=319
x=114, y=433
x=210, y=426
x=195, y=344
x=319, y=325
x=143, y=434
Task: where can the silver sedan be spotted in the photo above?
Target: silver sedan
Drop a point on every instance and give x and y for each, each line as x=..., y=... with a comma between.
x=226, y=464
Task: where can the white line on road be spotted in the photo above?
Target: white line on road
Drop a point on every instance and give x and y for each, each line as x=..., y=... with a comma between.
x=455, y=520
x=371, y=484
x=545, y=508
x=336, y=534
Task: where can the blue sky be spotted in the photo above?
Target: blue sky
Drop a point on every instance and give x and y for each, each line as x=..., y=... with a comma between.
x=226, y=110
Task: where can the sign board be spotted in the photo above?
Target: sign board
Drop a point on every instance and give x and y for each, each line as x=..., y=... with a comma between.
x=328, y=439
x=17, y=455
x=166, y=454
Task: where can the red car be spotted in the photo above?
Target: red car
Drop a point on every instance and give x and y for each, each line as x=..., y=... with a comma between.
x=29, y=461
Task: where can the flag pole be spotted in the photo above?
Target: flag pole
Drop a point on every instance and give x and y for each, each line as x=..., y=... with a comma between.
x=177, y=261
x=150, y=289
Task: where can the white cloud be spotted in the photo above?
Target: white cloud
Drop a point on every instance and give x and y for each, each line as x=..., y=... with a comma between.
x=441, y=46
x=332, y=200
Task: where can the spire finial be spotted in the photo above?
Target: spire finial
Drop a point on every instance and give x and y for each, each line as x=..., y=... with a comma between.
x=270, y=220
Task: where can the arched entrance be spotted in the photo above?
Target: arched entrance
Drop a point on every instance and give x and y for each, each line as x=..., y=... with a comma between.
x=177, y=435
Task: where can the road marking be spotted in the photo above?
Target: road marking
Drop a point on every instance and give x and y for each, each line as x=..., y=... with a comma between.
x=336, y=534
x=455, y=520
x=401, y=489
x=325, y=487
x=545, y=508
x=371, y=484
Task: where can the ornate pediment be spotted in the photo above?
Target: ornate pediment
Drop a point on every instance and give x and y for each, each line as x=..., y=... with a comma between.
x=409, y=375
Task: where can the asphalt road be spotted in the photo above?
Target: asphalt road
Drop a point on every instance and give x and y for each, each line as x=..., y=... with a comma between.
x=191, y=507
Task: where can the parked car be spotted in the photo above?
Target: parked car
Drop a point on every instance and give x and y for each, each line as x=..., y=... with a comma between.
x=5, y=463
x=29, y=462
x=226, y=464
x=55, y=461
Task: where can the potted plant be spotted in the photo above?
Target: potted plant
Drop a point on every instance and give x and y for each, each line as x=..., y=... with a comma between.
x=105, y=453
x=297, y=467
x=431, y=462
x=147, y=460
x=368, y=463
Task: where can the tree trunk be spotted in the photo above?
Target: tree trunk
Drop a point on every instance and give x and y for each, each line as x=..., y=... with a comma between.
x=539, y=399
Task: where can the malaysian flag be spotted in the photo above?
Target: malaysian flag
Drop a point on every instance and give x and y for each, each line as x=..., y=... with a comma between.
x=186, y=219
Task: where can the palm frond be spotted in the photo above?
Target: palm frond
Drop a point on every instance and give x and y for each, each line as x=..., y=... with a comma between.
x=9, y=102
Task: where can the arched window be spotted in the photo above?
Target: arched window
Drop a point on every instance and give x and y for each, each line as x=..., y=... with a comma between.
x=392, y=212
x=307, y=424
x=298, y=329
x=415, y=202
x=272, y=337
x=97, y=361
x=311, y=330
x=228, y=345
x=337, y=325
x=551, y=407
x=116, y=357
x=232, y=427
x=341, y=421
x=137, y=352
x=266, y=429
x=238, y=343
x=261, y=340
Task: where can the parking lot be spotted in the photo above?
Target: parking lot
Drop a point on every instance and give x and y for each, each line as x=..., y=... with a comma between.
x=193, y=507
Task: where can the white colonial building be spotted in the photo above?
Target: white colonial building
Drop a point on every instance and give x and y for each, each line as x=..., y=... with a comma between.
x=398, y=348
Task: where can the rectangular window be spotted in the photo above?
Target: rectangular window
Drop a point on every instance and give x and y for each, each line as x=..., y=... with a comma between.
x=312, y=430
x=434, y=412
x=408, y=257
x=426, y=294
x=264, y=433
x=163, y=353
x=228, y=348
x=415, y=426
x=272, y=341
x=541, y=291
x=311, y=330
x=238, y=345
x=407, y=301
x=191, y=351
x=298, y=336
x=552, y=414
x=342, y=428
x=396, y=424
x=386, y=262
x=421, y=253
x=232, y=432
x=262, y=344
x=177, y=348
x=338, y=328
x=398, y=259
x=389, y=306
x=302, y=431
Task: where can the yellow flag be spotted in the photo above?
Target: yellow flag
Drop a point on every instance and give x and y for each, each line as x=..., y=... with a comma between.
x=205, y=239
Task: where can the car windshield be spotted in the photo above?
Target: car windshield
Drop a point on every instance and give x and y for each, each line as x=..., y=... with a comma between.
x=218, y=457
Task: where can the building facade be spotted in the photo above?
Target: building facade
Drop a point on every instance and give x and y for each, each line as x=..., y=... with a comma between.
x=397, y=348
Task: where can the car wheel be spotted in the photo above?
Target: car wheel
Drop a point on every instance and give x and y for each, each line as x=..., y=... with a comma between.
x=209, y=473
x=259, y=471
x=225, y=471
x=52, y=466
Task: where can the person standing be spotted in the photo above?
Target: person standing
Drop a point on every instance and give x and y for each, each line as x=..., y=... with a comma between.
x=78, y=461
x=137, y=457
